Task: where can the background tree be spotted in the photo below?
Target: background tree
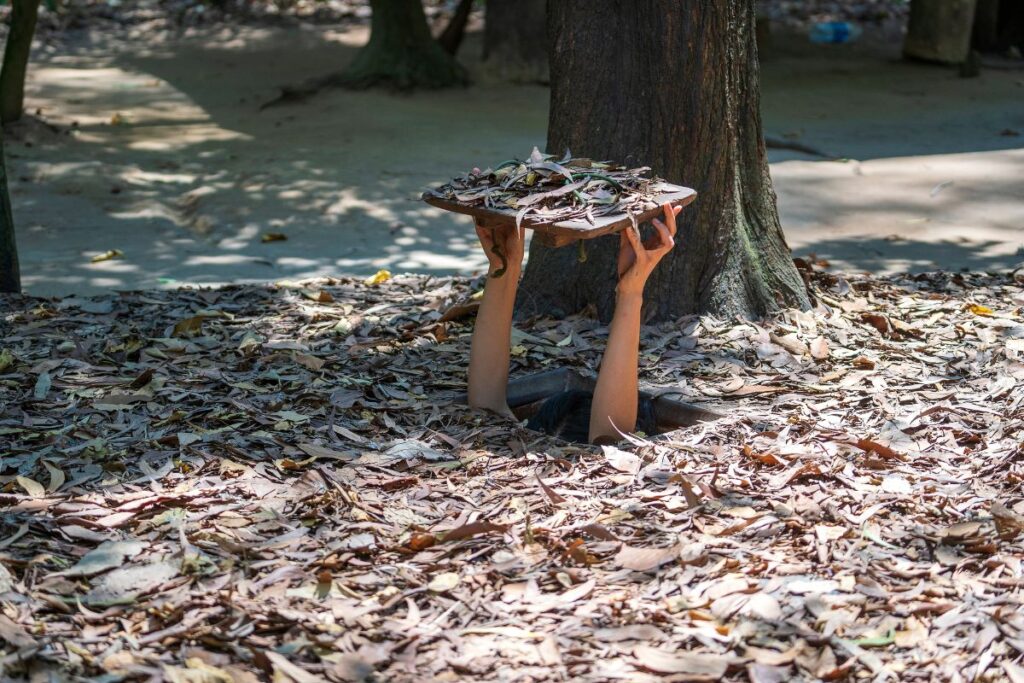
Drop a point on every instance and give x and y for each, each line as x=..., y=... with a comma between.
x=451, y=38
x=998, y=25
x=16, y=53
x=401, y=52
x=10, y=276
x=515, y=39
x=673, y=85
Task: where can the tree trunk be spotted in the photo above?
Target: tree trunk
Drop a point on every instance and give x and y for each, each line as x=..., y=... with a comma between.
x=10, y=276
x=1011, y=25
x=985, y=36
x=672, y=85
x=401, y=52
x=16, y=53
x=939, y=30
x=451, y=38
x=515, y=40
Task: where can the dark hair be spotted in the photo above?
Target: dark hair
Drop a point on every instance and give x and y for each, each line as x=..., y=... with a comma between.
x=567, y=416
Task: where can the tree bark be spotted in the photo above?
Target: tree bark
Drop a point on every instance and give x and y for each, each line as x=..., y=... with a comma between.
x=985, y=36
x=515, y=40
x=451, y=38
x=10, y=276
x=401, y=52
x=15, y=65
x=671, y=85
x=939, y=30
x=1011, y=25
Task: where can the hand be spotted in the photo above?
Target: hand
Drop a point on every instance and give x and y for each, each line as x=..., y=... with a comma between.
x=637, y=260
x=504, y=246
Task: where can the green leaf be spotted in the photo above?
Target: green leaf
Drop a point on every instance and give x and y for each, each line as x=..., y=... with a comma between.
x=877, y=641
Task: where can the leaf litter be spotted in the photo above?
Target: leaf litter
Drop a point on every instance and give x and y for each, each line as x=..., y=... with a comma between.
x=256, y=483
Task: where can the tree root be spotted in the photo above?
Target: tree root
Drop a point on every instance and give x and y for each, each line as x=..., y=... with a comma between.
x=781, y=143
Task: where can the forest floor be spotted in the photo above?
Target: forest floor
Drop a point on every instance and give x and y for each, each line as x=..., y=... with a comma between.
x=151, y=141
x=279, y=482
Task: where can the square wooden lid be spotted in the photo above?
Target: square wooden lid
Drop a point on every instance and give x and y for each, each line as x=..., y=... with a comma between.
x=560, y=233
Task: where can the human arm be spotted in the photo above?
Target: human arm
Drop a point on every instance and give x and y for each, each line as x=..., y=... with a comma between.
x=489, y=349
x=615, y=395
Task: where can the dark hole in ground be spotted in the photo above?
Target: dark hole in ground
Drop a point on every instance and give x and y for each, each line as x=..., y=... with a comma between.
x=527, y=394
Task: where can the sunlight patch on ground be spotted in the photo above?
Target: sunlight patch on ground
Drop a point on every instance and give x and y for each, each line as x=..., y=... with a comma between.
x=924, y=212
x=110, y=105
x=354, y=37
x=171, y=138
x=195, y=172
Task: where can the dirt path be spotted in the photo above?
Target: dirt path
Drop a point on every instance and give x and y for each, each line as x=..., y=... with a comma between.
x=173, y=163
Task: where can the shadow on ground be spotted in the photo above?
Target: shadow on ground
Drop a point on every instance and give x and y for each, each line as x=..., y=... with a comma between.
x=912, y=256
x=173, y=162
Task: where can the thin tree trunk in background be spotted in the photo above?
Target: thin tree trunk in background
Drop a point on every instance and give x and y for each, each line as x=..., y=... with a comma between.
x=1011, y=24
x=515, y=40
x=10, y=276
x=939, y=30
x=451, y=38
x=15, y=65
x=985, y=36
x=401, y=52
x=672, y=85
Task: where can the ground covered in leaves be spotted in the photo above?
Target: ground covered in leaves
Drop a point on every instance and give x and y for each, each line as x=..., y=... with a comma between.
x=278, y=483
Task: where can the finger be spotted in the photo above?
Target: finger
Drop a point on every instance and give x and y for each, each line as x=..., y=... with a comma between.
x=633, y=235
x=670, y=217
x=666, y=236
x=663, y=231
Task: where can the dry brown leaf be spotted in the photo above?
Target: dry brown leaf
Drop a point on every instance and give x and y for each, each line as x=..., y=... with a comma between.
x=645, y=559
x=863, y=363
x=819, y=348
x=764, y=458
x=284, y=668
x=762, y=606
x=315, y=451
x=1008, y=523
x=31, y=486
x=1014, y=672
x=57, y=477
x=189, y=326
x=790, y=342
x=310, y=362
x=622, y=460
x=682, y=662
x=471, y=530
x=618, y=634
x=182, y=462
x=444, y=582
x=869, y=446
x=550, y=492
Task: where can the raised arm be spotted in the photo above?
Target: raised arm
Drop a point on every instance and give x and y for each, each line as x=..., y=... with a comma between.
x=616, y=394
x=489, y=350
